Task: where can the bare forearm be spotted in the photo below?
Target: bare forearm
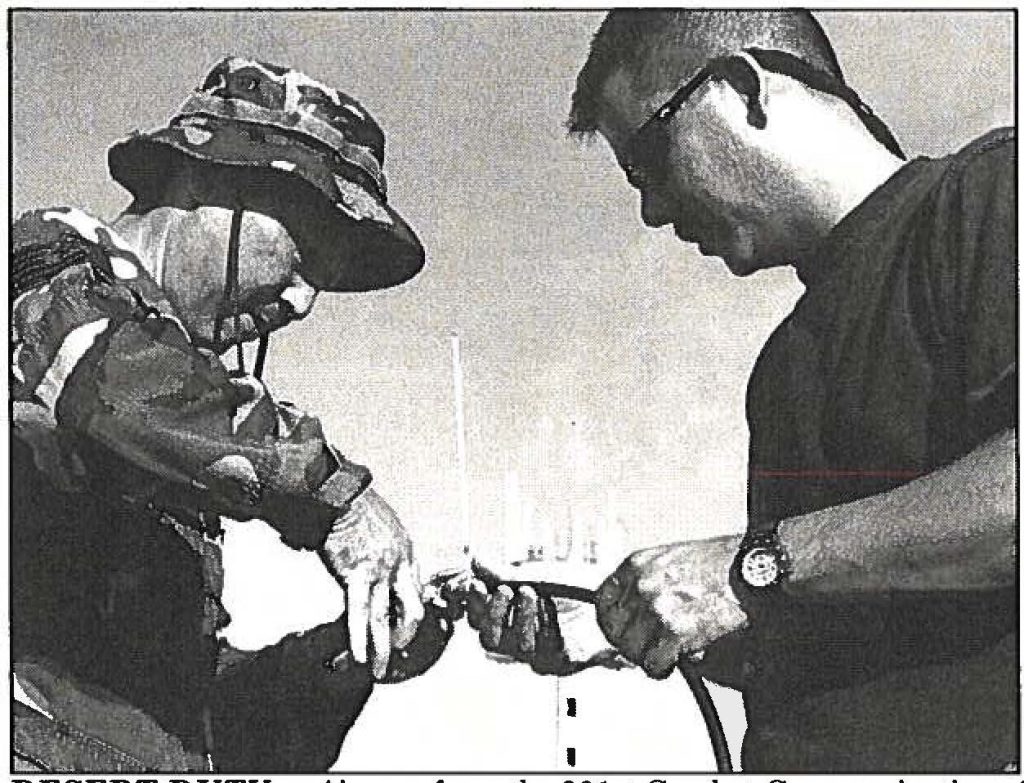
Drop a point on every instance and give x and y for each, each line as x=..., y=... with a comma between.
x=954, y=529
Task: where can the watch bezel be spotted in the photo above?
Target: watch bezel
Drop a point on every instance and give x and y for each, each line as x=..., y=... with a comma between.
x=767, y=542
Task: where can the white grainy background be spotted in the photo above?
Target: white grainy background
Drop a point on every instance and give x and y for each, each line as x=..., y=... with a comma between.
x=598, y=355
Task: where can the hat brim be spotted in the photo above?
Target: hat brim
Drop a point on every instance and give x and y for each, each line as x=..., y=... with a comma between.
x=349, y=239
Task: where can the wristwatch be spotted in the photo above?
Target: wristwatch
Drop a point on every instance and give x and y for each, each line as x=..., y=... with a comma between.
x=761, y=565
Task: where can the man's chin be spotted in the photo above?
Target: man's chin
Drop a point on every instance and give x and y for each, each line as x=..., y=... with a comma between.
x=740, y=267
x=738, y=258
x=738, y=264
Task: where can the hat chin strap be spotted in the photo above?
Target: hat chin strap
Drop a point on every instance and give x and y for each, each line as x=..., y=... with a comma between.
x=231, y=299
x=261, y=355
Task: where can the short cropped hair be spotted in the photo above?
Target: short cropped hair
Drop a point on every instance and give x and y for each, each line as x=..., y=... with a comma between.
x=660, y=49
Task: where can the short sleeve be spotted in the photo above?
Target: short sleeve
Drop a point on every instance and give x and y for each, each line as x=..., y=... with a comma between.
x=972, y=278
x=991, y=292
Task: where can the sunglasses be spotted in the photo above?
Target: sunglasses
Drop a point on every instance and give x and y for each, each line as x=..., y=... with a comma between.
x=646, y=154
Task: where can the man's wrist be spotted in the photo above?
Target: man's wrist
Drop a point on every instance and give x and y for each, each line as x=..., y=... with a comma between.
x=347, y=482
x=762, y=562
x=760, y=570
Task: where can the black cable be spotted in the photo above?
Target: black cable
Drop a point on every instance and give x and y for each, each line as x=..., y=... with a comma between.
x=712, y=722
x=706, y=705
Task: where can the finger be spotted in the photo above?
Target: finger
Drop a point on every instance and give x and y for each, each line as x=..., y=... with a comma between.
x=495, y=621
x=662, y=654
x=641, y=632
x=549, y=652
x=476, y=604
x=380, y=628
x=357, y=593
x=629, y=625
x=485, y=574
x=454, y=594
x=609, y=590
x=524, y=620
x=616, y=606
x=409, y=606
x=617, y=589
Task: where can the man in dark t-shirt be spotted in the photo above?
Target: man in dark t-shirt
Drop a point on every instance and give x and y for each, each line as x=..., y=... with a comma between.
x=870, y=612
x=899, y=359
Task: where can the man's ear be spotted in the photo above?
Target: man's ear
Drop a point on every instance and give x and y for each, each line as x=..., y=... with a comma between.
x=741, y=76
x=749, y=82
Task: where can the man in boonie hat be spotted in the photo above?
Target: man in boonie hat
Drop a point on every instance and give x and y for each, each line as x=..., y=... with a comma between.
x=132, y=439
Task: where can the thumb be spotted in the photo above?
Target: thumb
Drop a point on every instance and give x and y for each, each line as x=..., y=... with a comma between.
x=486, y=575
x=409, y=606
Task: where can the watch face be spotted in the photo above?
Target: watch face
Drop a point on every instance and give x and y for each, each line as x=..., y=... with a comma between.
x=760, y=567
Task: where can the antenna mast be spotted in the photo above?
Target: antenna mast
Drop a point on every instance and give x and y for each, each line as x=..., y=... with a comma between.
x=460, y=446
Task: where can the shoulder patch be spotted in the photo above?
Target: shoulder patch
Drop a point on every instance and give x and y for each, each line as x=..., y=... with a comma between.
x=45, y=241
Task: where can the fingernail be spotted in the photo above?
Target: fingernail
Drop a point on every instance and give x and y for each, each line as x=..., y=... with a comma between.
x=339, y=663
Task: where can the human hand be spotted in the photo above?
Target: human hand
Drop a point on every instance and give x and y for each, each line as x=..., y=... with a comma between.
x=672, y=600
x=431, y=639
x=370, y=554
x=557, y=636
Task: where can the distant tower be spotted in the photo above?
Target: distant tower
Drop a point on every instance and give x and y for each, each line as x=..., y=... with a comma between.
x=460, y=447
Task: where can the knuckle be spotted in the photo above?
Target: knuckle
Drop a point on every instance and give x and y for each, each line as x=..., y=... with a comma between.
x=496, y=611
x=656, y=670
x=414, y=612
x=640, y=558
x=610, y=589
x=526, y=594
x=526, y=643
x=645, y=585
x=630, y=565
x=489, y=640
x=665, y=607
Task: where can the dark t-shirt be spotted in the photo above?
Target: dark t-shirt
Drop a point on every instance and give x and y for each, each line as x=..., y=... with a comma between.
x=899, y=358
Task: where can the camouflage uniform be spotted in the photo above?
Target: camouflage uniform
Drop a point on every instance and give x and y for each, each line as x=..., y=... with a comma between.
x=130, y=442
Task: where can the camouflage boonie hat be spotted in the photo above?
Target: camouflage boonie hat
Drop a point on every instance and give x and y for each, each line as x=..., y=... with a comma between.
x=273, y=140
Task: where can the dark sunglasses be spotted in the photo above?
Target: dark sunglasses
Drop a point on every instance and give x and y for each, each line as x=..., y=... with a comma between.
x=646, y=154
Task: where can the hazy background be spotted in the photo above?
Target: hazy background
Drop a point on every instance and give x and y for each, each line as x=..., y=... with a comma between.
x=605, y=364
